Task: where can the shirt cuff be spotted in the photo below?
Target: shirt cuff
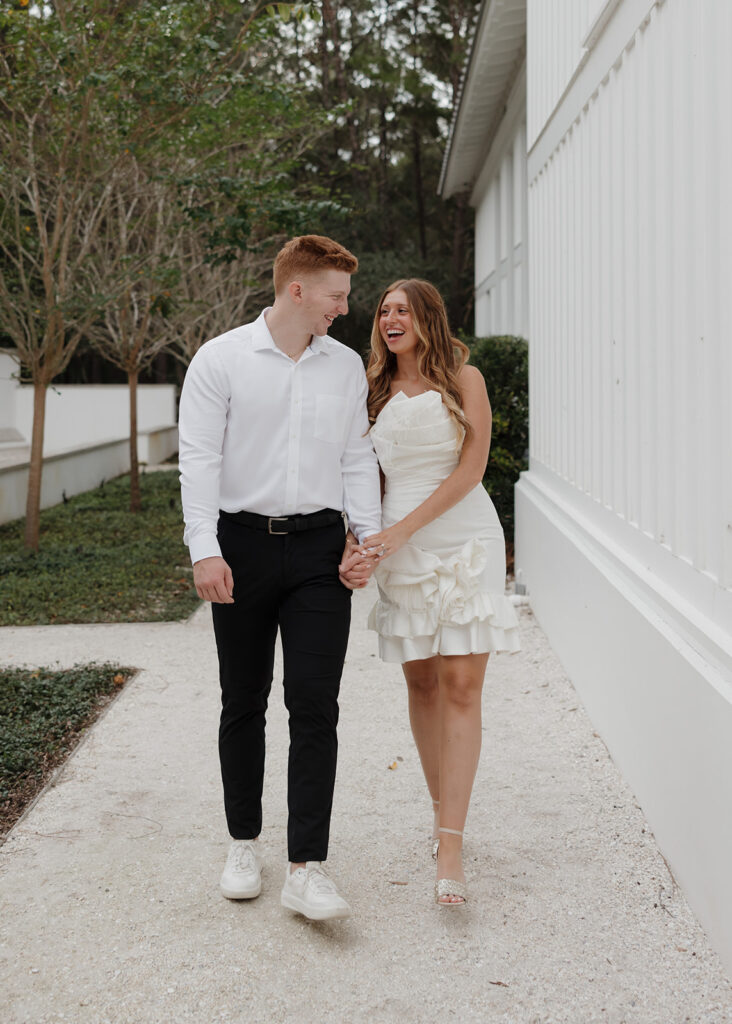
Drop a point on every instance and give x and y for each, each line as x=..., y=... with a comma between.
x=205, y=545
x=367, y=531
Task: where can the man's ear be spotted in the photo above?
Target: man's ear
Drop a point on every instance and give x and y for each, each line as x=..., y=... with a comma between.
x=295, y=290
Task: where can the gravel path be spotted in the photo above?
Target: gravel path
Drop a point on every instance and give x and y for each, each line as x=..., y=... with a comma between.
x=109, y=902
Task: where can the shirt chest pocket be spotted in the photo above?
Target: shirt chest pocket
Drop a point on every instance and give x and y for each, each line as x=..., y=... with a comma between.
x=331, y=418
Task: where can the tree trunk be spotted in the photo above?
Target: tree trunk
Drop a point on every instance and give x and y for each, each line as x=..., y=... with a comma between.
x=330, y=23
x=419, y=190
x=33, y=500
x=135, y=500
x=325, y=60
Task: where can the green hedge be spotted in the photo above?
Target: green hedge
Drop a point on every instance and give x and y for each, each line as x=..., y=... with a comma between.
x=504, y=362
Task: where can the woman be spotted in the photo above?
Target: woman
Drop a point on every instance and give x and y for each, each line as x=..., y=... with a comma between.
x=441, y=556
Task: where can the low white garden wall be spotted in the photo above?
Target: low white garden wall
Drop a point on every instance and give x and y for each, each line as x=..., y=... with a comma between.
x=86, y=437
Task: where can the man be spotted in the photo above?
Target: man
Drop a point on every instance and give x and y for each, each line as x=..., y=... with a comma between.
x=273, y=450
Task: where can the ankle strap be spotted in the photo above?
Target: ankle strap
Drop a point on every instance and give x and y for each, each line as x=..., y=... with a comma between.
x=452, y=831
x=436, y=803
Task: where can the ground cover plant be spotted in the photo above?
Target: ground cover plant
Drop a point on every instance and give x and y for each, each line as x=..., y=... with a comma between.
x=99, y=562
x=43, y=713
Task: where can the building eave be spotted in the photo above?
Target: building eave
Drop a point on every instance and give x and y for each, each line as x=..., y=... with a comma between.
x=496, y=53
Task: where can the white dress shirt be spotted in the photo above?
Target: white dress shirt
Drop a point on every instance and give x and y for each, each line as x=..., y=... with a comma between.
x=262, y=433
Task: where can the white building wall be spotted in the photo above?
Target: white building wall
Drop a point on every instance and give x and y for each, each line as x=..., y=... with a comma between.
x=86, y=437
x=500, y=201
x=554, y=43
x=624, y=520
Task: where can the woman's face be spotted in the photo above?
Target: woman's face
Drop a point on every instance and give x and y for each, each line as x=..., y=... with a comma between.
x=395, y=323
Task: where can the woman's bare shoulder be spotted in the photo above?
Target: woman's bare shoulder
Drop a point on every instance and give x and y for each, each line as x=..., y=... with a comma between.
x=470, y=378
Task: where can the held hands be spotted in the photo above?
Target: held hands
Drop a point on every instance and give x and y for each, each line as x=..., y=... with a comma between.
x=387, y=542
x=360, y=561
x=213, y=580
x=355, y=569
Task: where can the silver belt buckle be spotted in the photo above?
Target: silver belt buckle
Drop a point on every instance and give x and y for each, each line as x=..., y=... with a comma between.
x=276, y=533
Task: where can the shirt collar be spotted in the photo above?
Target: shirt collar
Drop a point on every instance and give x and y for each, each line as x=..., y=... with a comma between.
x=262, y=339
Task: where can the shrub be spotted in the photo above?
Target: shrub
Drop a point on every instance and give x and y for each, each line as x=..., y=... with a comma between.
x=504, y=362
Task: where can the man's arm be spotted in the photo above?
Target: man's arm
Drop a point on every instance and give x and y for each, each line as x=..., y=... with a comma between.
x=360, y=468
x=361, y=489
x=202, y=416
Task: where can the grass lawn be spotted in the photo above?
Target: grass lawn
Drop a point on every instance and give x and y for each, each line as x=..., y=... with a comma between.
x=42, y=716
x=97, y=562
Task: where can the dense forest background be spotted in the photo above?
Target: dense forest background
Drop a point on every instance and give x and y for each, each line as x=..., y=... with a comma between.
x=328, y=118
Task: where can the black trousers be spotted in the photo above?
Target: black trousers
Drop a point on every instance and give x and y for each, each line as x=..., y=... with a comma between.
x=288, y=582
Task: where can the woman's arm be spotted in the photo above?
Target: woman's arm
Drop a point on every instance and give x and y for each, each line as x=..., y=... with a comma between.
x=466, y=475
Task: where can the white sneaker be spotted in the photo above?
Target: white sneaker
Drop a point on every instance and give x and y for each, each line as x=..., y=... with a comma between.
x=242, y=877
x=311, y=892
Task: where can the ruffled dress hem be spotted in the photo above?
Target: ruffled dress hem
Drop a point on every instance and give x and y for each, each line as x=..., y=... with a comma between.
x=428, y=606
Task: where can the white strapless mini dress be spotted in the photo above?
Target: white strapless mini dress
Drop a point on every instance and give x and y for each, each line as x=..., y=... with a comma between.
x=444, y=591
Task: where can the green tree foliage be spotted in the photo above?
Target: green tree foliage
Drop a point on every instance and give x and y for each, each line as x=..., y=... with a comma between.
x=98, y=101
x=387, y=73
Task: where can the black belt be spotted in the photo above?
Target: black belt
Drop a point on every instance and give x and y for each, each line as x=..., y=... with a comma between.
x=286, y=524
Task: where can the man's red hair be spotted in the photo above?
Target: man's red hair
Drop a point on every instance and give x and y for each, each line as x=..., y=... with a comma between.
x=307, y=254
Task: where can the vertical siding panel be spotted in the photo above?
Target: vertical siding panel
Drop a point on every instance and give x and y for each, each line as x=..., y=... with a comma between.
x=614, y=255
x=584, y=319
x=517, y=236
x=681, y=271
x=566, y=289
x=542, y=292
x=605, y=336
x=647, y=328
x=535, y=407
x=509, y=308
x=537, y=401
x=554, y=367
x=551, y=352
x=578, y=311
x=538, y=390
x=697, y=156
x=631, y=340
x=537, y=383
x=544, y=328
x=719, y=85
x=595, y=323
x=712, y=511
x=663, y=195
x=723, y=289
x=555, y=32
x=565, y=300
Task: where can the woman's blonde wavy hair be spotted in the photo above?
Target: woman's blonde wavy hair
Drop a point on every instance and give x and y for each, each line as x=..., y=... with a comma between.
x=440, y=356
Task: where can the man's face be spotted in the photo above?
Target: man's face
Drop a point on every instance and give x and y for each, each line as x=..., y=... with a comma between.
x=324, y=296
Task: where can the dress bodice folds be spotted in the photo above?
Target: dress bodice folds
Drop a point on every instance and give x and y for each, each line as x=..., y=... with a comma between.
x=417, y=442
x=443, y=592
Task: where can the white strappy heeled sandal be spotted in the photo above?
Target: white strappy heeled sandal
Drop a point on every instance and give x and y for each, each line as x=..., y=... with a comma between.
x=450, y=886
